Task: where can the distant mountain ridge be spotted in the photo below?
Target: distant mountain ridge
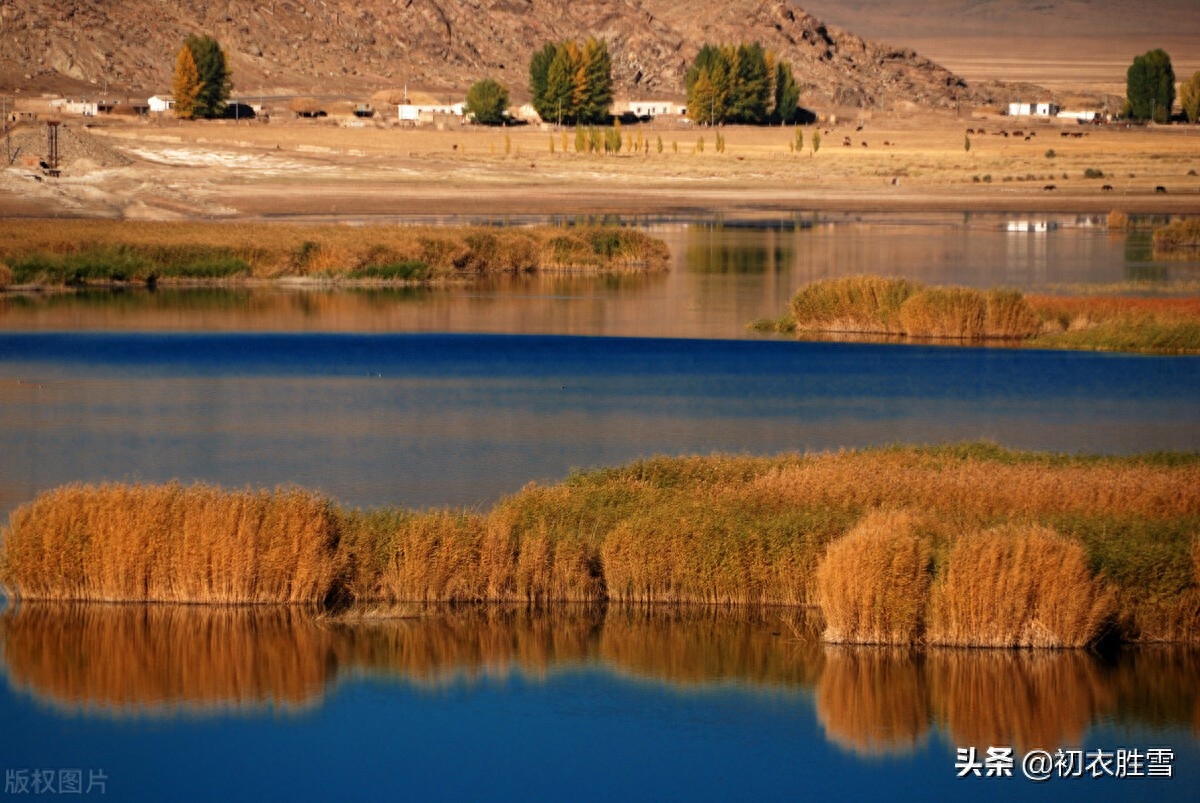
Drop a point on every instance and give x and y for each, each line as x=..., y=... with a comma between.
x=338, y=47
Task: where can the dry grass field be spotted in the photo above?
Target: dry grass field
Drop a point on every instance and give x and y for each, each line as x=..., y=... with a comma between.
x=894, y=160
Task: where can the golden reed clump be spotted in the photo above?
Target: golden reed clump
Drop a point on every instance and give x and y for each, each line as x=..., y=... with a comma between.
x=873, y=582
x=888, y=306
x=1018, y=586
x=171, y=543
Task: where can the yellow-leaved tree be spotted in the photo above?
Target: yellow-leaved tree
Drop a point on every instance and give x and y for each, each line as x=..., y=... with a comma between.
x=186, y=84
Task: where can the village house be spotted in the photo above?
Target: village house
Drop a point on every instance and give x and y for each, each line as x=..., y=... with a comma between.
x=652, y=108
x=415, y=114
x=1041, y=109
x=161, y=103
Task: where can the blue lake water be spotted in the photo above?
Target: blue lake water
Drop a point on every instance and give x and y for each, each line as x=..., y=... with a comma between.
x=457, y=397
x=429, y=420
x=595, y=706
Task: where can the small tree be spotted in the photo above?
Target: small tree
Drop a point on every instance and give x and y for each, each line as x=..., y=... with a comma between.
x=487, y=101
x=967, y=143
x=185, y=86
x=816, y=140
x=1189, y=97
x=798, y=142
x=1150, y=87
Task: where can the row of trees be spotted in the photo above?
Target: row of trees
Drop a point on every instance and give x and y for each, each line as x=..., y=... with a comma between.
x=741, y=84
x=202, y=81
x=572, y=84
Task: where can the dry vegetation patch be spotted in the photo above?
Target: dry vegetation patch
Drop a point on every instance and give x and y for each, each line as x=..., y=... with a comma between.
x=80, y=252
x=877, y=306
x=1018, y=586
x=873, y=582
x=825, y=529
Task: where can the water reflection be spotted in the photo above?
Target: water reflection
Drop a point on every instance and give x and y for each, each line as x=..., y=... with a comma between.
x=723, y=274
x=161, y=661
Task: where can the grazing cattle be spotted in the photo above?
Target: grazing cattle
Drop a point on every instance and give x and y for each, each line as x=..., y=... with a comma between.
x=1004, y=134
x=886, y=143
x=1160, y=188
x=847, y=142
x=1018, y=133
x=1049, y=188
x=970, y=130
x=1106, y=188
x=1077, y=135
x=1065, y=134
x=859, y=128
x=1033, y=133
x=1026, y=139
x=864, y=143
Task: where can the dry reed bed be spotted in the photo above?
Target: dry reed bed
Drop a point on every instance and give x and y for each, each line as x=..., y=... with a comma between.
x=881, y=307
x=715, y=530
x=97, y=251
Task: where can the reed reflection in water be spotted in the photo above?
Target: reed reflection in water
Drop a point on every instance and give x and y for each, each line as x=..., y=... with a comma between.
x=166, y=661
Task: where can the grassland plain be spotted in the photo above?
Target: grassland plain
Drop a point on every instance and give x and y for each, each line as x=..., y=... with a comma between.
x=1113, y=536
x=84, y=252
x=874, y=307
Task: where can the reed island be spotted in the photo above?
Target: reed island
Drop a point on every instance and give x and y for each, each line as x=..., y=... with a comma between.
x=966, y=545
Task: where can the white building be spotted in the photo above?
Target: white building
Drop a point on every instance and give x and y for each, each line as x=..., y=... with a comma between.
x=414, y=113
x=1042, y=109
x=654, y=108
x=1082, y=116
x=161, y=103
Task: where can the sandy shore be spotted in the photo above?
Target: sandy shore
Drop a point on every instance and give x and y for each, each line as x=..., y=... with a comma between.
x=213, y=170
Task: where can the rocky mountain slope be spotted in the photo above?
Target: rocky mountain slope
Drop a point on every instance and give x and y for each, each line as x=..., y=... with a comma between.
x=339, y=47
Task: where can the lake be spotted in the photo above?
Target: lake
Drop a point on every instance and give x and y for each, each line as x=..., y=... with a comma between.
x=459, y=396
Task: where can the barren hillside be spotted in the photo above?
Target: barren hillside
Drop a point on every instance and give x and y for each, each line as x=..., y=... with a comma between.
x=328, y=47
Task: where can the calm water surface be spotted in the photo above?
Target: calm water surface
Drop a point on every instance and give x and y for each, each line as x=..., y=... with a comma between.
x=186, y=703
x=459, y=396
x=430, y=420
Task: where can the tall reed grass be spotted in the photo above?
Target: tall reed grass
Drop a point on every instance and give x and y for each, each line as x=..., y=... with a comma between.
x=1018, y=586
x=873, y=582
x=715, y=530
x=889, y=306
x=90, y=251
x=172, y=543
x=1181, y=234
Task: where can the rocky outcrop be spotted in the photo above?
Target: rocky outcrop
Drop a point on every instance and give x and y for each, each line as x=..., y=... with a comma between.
x=329, y=47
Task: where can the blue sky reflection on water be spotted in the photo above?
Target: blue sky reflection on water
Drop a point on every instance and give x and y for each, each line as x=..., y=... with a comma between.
x=429, y=420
